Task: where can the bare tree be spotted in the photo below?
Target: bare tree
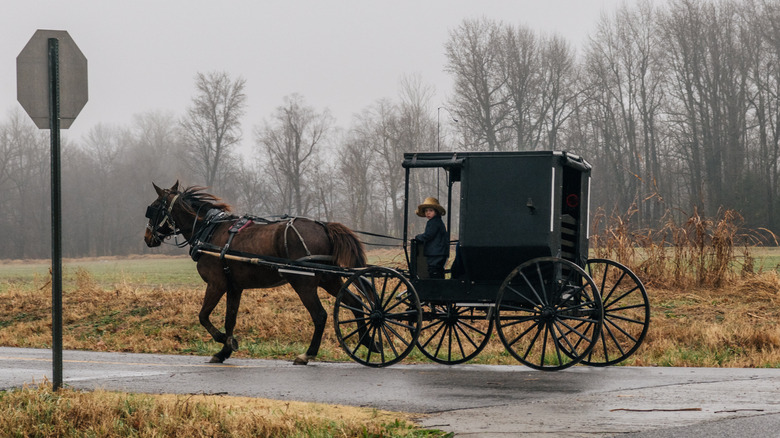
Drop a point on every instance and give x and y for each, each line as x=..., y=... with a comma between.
x=378, y=128
x=103, y=156
x=764, y=98
x=156, y=147
x=708, y=48
x=523, y=85
x=329, y=187
x=559, y=91
x=474, y=58
x=212, y=125
x=252, y=188
x=356, y=183
x=24, y=184
x=624, y=89
x=417, y=126
x=290, y=141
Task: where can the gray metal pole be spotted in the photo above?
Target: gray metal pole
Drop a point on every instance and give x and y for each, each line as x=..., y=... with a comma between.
x=56, y=209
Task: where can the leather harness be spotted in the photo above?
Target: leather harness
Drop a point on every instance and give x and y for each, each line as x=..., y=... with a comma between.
x=215, y=217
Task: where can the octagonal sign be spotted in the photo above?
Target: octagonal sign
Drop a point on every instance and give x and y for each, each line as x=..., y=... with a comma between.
x=32, y=78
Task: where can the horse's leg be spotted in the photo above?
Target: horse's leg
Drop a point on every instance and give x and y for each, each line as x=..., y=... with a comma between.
x=231, y=312
x=307, y=292
x=332, y=284
x=210, y=301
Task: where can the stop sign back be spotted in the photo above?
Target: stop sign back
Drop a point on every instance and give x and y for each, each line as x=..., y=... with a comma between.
x=32, y=78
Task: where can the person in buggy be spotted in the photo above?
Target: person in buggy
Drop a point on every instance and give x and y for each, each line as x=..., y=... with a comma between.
x=435, y=238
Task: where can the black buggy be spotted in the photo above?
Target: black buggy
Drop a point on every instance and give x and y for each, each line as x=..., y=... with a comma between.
x=521, y=266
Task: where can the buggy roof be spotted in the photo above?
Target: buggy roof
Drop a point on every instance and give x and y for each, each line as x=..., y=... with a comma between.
x=455, y=160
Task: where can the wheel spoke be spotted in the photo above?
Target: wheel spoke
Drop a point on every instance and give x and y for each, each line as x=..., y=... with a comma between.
x=614, y=286
x=541, y=285
x=540, y=300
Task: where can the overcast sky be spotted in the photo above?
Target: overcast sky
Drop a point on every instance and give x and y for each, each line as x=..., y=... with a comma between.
x=342, y=55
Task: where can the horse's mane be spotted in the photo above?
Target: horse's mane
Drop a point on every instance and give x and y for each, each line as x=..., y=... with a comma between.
x=196, y=201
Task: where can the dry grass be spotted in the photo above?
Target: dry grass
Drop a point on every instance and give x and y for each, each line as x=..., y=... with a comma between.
x=139, y=319
x=682, y=253
x=735, y=326
x=38, y=412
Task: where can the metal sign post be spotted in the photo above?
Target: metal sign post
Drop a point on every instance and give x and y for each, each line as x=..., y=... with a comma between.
x=49, y=59
x=56, y=211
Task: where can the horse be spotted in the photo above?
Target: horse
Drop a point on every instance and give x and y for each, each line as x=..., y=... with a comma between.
x=191, y=212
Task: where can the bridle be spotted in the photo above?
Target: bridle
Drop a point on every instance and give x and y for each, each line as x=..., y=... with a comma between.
x=160, y=217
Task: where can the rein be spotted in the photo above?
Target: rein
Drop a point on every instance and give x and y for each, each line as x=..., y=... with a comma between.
x=201, y=234
x=383, y=236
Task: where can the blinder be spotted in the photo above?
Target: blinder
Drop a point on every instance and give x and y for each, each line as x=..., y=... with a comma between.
x=159, y=216
x=151, y=212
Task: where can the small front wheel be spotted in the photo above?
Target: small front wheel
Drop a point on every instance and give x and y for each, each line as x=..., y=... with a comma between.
x=453, y=334
x=377, y=317
x=548, y=313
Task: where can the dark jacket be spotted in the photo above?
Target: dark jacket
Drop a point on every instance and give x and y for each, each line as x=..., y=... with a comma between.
x=435, y=238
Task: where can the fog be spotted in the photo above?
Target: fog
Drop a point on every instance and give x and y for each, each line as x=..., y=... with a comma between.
x=340, y=55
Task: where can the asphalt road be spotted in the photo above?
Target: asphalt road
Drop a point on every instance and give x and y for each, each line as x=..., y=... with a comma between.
x=470, y=400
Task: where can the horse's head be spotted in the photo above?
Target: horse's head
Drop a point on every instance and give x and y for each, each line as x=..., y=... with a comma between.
x=161, y=224
x=178, y=212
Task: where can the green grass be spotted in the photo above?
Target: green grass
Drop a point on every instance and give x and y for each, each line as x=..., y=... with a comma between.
x=767, y=258
x=156, y=272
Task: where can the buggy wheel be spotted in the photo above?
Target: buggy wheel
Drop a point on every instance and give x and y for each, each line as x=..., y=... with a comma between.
x=377, y=317
x=548, y=313
x=626, y=312
x=453, y=334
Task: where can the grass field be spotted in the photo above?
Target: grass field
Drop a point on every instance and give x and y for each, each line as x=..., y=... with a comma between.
x=152, y=271
x=767, y=258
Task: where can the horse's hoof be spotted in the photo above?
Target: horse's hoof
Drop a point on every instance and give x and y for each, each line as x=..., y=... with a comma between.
x=215, y=359
x=232, y=343
x=301, y=360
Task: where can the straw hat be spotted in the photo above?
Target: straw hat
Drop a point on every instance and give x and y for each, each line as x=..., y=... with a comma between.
x=430, y=202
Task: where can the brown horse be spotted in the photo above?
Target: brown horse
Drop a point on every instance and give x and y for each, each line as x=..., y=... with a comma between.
x=192, y=214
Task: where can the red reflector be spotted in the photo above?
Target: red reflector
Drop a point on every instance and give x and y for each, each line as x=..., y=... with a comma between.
x=572, y=201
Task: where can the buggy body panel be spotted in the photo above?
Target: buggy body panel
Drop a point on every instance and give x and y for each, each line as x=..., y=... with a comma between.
x=514, y=207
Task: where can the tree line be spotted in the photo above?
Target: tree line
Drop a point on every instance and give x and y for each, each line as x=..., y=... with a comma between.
x=676, y=106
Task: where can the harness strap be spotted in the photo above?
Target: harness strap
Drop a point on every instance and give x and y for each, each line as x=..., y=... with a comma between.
x=291, y=224
x=202, y=234
x=173, y=201
x=167, y=216
x=236, y=228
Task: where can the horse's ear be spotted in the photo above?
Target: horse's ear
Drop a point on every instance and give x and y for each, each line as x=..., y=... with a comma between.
x=175, y=187
x=159, y=191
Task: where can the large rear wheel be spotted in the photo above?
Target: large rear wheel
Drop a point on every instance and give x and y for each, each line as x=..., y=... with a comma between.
x=548, y=313
x=377, y=317
x=626, y=312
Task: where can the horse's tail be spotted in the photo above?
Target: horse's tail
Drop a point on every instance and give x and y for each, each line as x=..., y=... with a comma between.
x=348, y=251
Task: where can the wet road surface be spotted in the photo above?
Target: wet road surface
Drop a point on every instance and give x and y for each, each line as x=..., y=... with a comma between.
x=470, y=400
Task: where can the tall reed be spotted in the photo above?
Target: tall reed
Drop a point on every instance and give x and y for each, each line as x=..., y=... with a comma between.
x=695, y=251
